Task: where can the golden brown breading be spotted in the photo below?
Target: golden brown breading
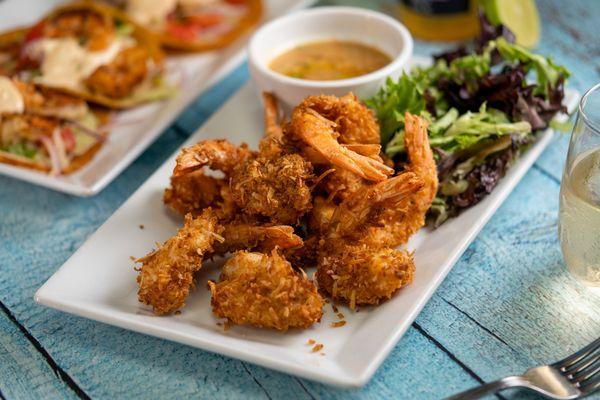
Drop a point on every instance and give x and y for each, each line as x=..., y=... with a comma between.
x=351, y=266
x=167, y=274
x=274, y=188
x=399, y=223
x=94, y=29
x=355, y=123
x=243, y=235
x=319, y=133
x=359, y=274
x=119, y=78
x=264, y=291
x=193, y=192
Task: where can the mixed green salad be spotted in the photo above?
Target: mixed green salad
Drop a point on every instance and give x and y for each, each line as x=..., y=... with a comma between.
x=484, y=107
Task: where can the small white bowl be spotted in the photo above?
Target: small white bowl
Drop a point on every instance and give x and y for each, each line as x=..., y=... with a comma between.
x=327, y=23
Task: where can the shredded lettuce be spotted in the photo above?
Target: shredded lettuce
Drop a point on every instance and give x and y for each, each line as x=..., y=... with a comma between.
x=23, y=149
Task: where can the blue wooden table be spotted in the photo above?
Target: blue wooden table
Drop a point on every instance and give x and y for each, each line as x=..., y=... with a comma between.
x=508, y=303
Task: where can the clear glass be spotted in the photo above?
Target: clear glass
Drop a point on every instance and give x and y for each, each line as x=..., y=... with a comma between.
x=579, y=215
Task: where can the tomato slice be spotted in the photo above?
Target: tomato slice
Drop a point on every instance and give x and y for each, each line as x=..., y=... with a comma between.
x=182, y=31
x=68, y=139
x=35, y=32
x=204, y=20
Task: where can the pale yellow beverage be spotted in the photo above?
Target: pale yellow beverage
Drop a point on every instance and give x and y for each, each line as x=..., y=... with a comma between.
x=579, y=222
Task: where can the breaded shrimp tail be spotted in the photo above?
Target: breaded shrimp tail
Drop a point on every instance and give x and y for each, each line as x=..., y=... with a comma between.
x=264, y=290
x=167, y=274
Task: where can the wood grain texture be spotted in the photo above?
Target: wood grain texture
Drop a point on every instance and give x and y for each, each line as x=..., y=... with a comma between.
x=507, y=305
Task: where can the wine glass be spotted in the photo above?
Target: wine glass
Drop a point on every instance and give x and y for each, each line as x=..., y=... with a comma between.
x=579, y=215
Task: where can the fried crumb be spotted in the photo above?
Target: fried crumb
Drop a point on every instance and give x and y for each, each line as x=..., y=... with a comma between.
x=338, y=324
x=142, y=226
x=334, y=308
x=219, y=324
x=177, y=312
x=340, y=315
x=132, y=258
x=317, y=347
x=326, y=301
x=310, y=342
x=227, y=326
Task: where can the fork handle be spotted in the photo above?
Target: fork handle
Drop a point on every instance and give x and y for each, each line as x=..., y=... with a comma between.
x=489, y=388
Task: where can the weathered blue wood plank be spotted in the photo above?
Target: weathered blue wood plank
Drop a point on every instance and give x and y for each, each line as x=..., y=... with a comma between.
x=25, y=372
x=503, y=308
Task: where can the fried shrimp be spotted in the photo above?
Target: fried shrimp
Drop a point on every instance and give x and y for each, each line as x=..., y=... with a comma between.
x=359, y=274
x=192, y=190
x=274, y=188
x=249, y=236
x=263, y=290
x=318, y=132
x=167, y=274
x=218, y=155
x=94, y=30
x=119, y=78
x=401, y=222
x=350, y=266
x=355, y=123
x=275, y=183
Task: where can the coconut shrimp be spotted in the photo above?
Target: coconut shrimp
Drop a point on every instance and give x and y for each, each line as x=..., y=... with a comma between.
x=192, y=190
x=351, y=267
x=276, y=183
x=264, y=290
x=318, y=133
x=240, y=235
x=354, y=123
x=167, y=274
x=359, y=274
x=401, y=222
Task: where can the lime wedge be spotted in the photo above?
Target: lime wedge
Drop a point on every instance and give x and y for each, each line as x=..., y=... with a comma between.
x=520, y=16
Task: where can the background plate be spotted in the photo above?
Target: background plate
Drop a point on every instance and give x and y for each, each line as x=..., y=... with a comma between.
x=98, y=281
x=134, y=129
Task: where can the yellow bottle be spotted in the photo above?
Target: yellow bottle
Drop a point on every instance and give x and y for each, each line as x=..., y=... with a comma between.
x=445, y=20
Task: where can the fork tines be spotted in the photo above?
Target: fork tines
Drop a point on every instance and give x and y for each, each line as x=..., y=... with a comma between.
x=583, y=367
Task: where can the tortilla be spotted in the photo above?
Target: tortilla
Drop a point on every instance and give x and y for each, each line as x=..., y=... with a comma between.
x=76, y=164
x=143, y=36
x=251, y=18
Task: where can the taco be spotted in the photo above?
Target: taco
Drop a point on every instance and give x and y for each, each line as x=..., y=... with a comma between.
x=10, y=47
x=95, y=52
x=46, y=130
x=195, y=25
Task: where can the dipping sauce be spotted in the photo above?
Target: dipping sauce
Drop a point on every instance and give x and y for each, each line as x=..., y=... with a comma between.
x=330, y=60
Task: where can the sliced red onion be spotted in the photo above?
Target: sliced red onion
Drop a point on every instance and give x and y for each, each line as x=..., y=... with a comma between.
x=49, y=145
x=61, y=149
x=88, y=131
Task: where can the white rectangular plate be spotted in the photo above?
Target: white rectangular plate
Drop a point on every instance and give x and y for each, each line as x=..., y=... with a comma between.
x=98, y=281
x=139, y=127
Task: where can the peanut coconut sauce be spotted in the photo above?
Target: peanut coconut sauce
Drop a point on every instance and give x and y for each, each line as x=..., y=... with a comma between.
x=330, y=60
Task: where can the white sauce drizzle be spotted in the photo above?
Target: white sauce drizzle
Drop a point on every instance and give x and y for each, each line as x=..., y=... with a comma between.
x=11, y=99
x=65, y=63
x=150, y=12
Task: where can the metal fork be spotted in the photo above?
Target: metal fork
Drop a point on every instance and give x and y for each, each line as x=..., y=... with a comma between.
x=572, y=378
